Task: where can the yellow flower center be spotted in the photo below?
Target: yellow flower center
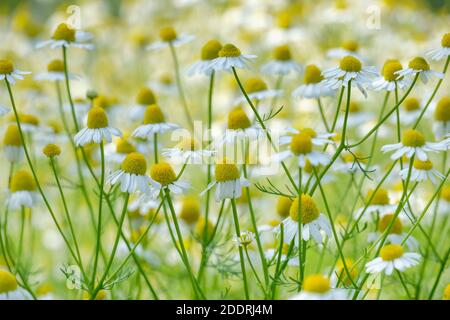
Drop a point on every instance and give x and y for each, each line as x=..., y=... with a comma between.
x=134, y=163
x=55, y=65
x=97, y=118
x=301, y=143
x=64, y=32
x=29, y=119
x=413, y=138
x=411, y=104
x=445, y=42
x=190, y=210
x=391, y=252
x=226, y=172
x=381, y=197
x=101, y=295
x=309, y=131
x=308, y=209
x=255, y=85
x=8, y=281
x=163, y=173
x=6, y=66
x=350, y=64
x=229, y=50
x=446, y=295
x=342, y=274
x=351, y=45
x=312, y=74
x=12, y=136
x=167, y=34
x=422, y=165
x=124, y=146
x=445, y=193
x=386, y=220
x=283, y=206
x=201, y=227
x=390, y=68
x=419, y=63
x=354, y=107
x=153, y=114
x=211, y=50
x=237, y=119
x=145, y=97
x=284, y=19
x=282, y=53
x=51, y=150
x=442, y=111
x=316, y=283
x=22, y=181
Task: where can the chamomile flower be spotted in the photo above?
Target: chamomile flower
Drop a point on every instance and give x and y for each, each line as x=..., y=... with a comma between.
x=389, y=79
x=228, y=182
x=244, y=239
x=444, y=208
x=154, y=122
x=67, y=36
x=257, y=90
x=317, y=138
x=230, y=56
x=117, y=152
x=55, y=72
x=282, y=63
x=301, y=147
x=189, y=151
x=13, y=144
x=9, y=288
x=392, y=256
x=348, y=48
x=413, y=143
x=313, y=222
x=422, y=170
x=441, y=124
x=313, y=84
x=350, y=69
x=144, y=98
x=283, y=206
x=169, y=37
x=380, y=203
x=240, y=127
x=420, y=66
x=443, y=51
x=163, y=177
x=97, y=129
x=318, y=287
x=29, y=122
x=395, y=235
x=210, y=51
x=8, y=72
x=132, y=174
x=22, y=191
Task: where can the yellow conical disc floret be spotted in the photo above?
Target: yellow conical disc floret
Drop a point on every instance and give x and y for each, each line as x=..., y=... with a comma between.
x=445, y=193
x=134, y=163
x=422, y=165
x=301, y=143
x=316, y=283
x=351, y=45
x=282, y=53
x=145, y=97
x=390, y=68
x=445, y=42
x=312, y=75
x=238, y=119
x=97, y=118
x=283, y=206
x=153, y=114
x=190, y=210
x=124, y=146
x=229, y=50
x=255, y=85
x=380, y=198
x=29, y=119
x=309, y=131
x=391, y=252
x=226, y=172
x=8, y=282
x=55, y=65
x=413, y=138
x=350, y=64
x=168, y=34
x=308, y=209
x=343, y=275
x=22, y=181
x=442, y=111
x=64, y=32
x=211, y=50
x=411, y=104
x=386, y=220
x=163, y=173
x=419, y=63
x=6, y=66
x=12, y=136
x=51, y=150
x=446, y=295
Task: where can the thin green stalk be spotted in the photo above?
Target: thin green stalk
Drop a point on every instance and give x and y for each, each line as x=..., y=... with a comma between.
x=322, y=115
x=338, y=108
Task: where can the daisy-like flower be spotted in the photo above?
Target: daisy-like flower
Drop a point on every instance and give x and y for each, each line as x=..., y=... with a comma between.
x=210, y=51
x=132, y=174
x=301, y=147
x=55, y=72
x=414, y=143
x=348, y=48
x=144, y=98
x=379, y=204
x=396, y=234
x=420, y=66
x=29, y=122
x=244, y=239
x=163, y=177
x=8, y=72
x=228, y=182
x=22, y=191
x=282, y=63
x=389, y=79
x=9, y=288
x=422, y=170
x=341, y=276
x=313, y=222
x=350, y=69
x=441, y=124
x=444, y=208
x=97, y=129
x=189, y=151
x=154, y=122
x=190, y=210
x=392, y=256
x=169, y=37
x=313, y=85
x=13, y=144
x=318, y=287
x=117, y=152
x=257, y=90
x=240, y=127
x=66, y=36
x=230, y=56
x=446, y=295
x=443, y=51
x=317, y=138
x=283, y=206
